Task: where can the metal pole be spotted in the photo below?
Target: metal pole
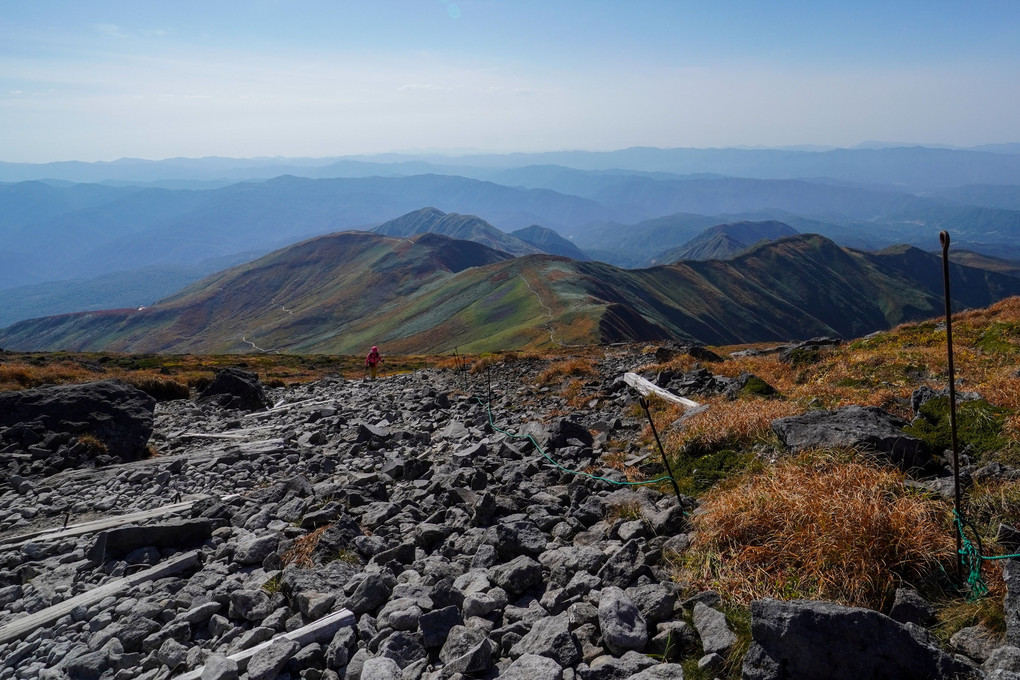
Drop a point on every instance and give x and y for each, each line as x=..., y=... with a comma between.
x=672, y=479
x=944, y=240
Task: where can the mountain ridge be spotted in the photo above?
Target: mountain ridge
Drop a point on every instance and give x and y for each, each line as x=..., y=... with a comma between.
x=342, y=292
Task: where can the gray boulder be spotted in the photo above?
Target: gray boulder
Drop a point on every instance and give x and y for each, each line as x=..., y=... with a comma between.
x=517, y=575
x=219, y=667
x=857, y=427
x=807, y=640
x=268, y=662
x=119, y=415
x=380, y=668
x=550, y=637
x=623, y=627
x=466, y=651
x=613, y=668
x=237, y=389
x=716, y=636
x=909, y=607
x=533, y=667
x=1011, y=605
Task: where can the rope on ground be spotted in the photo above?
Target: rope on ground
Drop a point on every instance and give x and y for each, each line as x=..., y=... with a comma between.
x=972, y=558
x=549, y=458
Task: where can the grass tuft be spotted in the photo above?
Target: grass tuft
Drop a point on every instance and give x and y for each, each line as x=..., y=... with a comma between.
x=820, y=528
x=567, y=368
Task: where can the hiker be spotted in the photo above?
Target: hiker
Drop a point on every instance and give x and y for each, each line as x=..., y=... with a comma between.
x=372, y=360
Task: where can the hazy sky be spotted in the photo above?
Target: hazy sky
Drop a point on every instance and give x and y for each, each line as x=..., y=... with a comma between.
x=105, y=79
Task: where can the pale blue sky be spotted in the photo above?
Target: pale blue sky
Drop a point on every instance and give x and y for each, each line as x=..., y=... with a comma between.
x=105, y=79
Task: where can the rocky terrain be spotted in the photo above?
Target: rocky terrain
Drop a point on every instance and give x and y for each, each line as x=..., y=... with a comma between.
x=396, y=529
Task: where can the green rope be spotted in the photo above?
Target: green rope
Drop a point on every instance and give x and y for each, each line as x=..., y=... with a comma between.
x=579, y=473
x=971, y=558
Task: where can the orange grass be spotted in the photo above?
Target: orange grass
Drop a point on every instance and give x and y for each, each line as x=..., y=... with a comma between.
x=726, y=423
x=19, y=375
x=577, y=366
x=818, y=528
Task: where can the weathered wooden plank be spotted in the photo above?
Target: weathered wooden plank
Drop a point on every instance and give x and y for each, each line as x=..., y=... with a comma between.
x=646, y=387
x=102, y=523
x=25, y=625
x=211, y=435
x=319, y=630
x=93, y=525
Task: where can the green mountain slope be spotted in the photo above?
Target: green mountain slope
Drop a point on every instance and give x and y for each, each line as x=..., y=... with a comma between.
x=344, y=292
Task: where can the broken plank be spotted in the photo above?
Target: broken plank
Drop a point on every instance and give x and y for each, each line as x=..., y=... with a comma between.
x=647, y=387
x=210, y=435
x=100, y=524
x=25, y=625
x=319, y=630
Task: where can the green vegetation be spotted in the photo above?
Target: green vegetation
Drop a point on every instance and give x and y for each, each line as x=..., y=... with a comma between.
x=1000, y=338
x=979, y=426
x=696, y=474
x=273, y=585
x=756, y=387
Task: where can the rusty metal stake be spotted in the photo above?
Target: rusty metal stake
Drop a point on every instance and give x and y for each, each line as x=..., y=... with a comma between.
x=944, y=240
x=672, y=479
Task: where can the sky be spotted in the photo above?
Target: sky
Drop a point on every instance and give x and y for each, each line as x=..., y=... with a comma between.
x=108, y=79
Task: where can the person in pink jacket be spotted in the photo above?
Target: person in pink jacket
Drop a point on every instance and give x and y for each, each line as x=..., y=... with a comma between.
x=372, y=361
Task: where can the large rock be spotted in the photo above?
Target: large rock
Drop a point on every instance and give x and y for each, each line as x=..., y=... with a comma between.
x=807, y=640
x=716, y=636
x=1011, y=575
x=623, y=627
x=118, y=415
x=550, y=637
x=235, y=388
x=858, y=427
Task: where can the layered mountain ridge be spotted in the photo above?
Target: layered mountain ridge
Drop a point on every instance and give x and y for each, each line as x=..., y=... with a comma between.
x=429, y=293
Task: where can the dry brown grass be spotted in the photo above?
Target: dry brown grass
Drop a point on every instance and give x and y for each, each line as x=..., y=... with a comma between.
x=726, y=423
x=92, y=443
x=300, y=554
x=818, y=527
x=16, y=375
x=566, y=368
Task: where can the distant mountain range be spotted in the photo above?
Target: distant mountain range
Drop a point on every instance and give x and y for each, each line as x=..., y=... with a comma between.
x=912, y=168
x=143, y=229
x=344, y=292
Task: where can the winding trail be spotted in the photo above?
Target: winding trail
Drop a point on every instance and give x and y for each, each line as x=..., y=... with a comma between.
x=548, y=311
x=245, y=339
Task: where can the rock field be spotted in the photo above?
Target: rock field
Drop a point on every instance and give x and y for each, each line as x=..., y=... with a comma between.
x=386, y=530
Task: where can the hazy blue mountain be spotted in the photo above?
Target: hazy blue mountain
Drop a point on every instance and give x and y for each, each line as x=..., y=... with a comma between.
x=1005, y=196
x=914, y=168
x=724, y=241
x=127, y=289
x=464, y=227
x=549, y=241
x=633, y=245
x=89, y=230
